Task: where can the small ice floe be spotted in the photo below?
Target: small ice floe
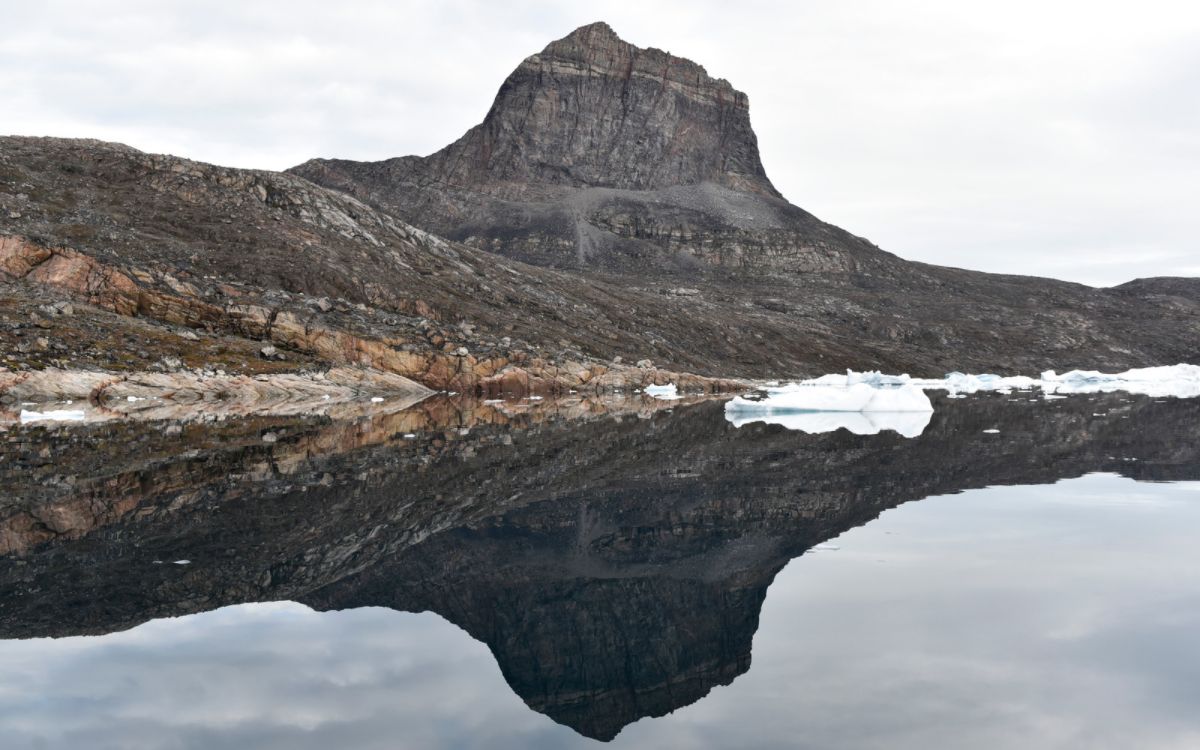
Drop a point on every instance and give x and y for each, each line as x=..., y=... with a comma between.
x=376, y=399
x=1179, y=381
x=992, y=431
x=493, y=401
x=410, y=436
x=54, y=415
x=825, y=547
x=535, y=398
x=182, y=562
x=858, y=397
x=666, y=392
x=816, y=407
x=134, y=399
x=325, y=397
x=957, y=382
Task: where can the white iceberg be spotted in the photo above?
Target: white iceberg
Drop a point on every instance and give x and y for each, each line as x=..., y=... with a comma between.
x=866, y=403
x=958, y=382
x=666, y=392
x=825, y=406
x=814, y=396
x=1180, y=381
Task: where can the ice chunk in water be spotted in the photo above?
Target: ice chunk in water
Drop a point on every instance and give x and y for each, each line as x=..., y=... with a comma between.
x=827, y=406
x=858, y=397
x=666, y=392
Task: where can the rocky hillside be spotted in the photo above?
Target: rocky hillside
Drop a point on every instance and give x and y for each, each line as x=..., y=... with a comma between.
x=607, y=226
x=115, y=259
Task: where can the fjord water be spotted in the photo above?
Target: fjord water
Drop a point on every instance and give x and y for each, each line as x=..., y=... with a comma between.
x=632, y=572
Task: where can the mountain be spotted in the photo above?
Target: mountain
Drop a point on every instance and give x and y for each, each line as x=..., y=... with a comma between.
x=599, y=153
x=615, y=161
x=609, y=225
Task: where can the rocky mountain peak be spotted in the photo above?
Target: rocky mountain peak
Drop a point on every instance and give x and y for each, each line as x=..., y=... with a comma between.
x=592, y=110
x=600, y=48
x=597, y=32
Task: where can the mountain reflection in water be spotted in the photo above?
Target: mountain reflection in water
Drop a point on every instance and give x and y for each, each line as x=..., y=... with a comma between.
x=614, y=557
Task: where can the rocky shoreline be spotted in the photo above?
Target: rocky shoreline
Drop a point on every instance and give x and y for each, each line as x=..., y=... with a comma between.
x=273, y=333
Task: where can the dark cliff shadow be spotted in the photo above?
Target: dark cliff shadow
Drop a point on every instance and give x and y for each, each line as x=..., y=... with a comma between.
x=613, y=558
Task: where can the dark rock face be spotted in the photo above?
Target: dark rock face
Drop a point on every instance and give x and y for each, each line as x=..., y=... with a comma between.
x=594, y=111
x=615, y=566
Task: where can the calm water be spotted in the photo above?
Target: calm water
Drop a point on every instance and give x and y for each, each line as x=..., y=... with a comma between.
x=642, y=573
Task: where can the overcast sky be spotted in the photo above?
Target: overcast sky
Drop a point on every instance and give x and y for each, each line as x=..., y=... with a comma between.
x=1051, y=138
